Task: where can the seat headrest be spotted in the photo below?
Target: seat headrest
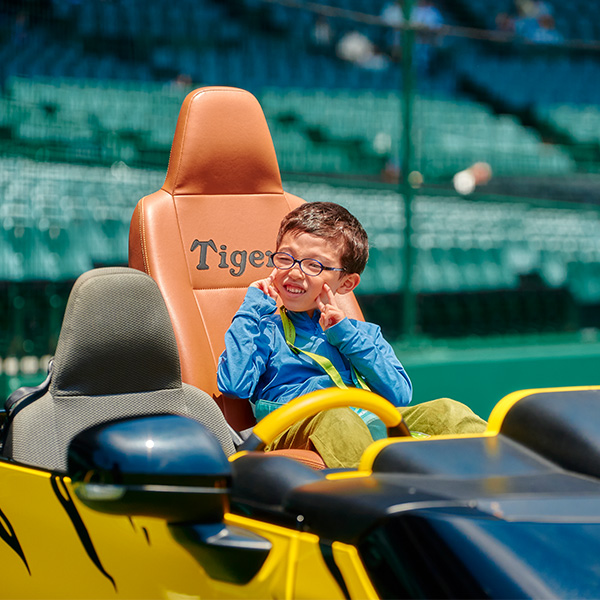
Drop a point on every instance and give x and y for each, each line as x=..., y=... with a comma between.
x=116, y=337
x=222, y=145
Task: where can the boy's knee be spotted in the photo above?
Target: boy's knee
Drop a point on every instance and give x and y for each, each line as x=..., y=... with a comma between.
x=340, y=436
x=443, y=416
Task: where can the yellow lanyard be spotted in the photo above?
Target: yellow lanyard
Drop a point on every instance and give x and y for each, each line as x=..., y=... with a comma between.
x=290, y=337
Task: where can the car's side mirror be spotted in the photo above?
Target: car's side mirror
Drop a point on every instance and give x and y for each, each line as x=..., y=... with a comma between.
x=173, y=468
x=165, y=466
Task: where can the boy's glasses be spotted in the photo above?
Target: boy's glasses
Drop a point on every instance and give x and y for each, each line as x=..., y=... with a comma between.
x=309, y=266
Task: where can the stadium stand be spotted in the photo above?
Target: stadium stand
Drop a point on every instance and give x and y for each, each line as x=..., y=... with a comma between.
x=328, y=131
x=90, y=92
x=482, y=252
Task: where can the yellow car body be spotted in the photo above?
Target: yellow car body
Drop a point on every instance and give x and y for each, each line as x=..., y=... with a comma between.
x=53, y=545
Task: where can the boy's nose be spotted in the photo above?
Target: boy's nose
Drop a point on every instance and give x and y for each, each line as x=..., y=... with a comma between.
x=296, y=270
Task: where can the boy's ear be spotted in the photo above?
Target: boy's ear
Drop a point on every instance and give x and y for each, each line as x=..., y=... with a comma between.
x=349, y=282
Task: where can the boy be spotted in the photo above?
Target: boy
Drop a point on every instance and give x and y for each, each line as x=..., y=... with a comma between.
x=274, y=356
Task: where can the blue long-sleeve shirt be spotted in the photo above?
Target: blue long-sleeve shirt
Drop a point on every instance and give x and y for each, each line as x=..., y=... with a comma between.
x=257, y=363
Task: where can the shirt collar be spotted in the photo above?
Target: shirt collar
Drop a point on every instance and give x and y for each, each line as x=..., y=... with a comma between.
x=302, y=318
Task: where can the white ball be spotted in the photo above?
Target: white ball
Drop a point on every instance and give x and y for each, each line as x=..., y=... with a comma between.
x=464, y=182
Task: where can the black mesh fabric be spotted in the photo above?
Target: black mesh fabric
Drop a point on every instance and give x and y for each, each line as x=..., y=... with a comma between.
x=116, y=357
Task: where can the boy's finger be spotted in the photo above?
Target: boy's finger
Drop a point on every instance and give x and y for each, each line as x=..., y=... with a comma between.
x=323, y=297
x=322, y=307
x=330, y=295
x=272, y=290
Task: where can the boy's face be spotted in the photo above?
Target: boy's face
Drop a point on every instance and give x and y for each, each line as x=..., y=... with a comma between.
x=298, y=291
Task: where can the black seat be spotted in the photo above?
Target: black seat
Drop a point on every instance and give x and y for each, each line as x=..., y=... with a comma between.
x=561, y=424
x=116, y=357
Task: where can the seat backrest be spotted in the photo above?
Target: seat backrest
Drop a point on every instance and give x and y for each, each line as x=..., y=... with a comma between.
x=116, y=357
x=209, y=231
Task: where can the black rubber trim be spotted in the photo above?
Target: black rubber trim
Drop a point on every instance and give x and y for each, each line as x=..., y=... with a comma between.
x=327, y=552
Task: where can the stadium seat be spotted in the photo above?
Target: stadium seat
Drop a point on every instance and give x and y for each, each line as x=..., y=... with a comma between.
x=209, y=231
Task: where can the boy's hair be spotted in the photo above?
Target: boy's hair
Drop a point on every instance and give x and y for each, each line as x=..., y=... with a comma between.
x=334, y=223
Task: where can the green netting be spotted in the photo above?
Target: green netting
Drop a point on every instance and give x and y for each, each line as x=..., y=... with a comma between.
x=314, y=131
x=90, y=98
x=448, y=135
x=579, y=122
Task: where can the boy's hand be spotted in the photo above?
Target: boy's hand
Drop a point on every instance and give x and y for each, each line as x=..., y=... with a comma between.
x=266, y=286
x=331, y=313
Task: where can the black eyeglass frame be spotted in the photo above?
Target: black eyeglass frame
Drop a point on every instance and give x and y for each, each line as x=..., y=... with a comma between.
x=295, y=261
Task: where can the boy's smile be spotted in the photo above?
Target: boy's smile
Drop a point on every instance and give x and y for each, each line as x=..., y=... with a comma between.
x=299, y=292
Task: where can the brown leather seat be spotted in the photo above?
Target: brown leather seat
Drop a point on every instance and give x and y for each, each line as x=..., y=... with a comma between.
x=209, y=231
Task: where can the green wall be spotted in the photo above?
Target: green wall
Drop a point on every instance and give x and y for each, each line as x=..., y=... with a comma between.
x=480, y=375
x=478, y=372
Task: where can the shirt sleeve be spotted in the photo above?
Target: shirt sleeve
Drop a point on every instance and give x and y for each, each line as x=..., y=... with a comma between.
x=247, y=346
x=373, y=357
